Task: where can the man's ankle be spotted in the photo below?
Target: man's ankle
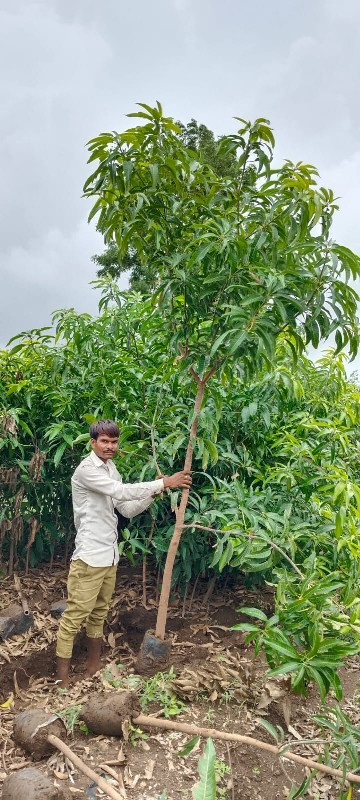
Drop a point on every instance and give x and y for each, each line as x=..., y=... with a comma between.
x=62, y=672
x=93, y=662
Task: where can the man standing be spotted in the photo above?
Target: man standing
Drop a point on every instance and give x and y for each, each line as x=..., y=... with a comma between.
x=97, y=489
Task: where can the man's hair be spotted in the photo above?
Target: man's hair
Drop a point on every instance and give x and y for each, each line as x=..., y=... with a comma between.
x=106, y=426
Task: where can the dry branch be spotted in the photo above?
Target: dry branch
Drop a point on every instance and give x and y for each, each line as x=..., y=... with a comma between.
x=213, y=733
x=101, y=782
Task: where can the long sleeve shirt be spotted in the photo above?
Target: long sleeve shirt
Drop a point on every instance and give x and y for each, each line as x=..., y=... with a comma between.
x=97, y=488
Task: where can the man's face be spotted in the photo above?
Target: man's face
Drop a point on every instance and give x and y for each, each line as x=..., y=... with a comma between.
x=104, y=446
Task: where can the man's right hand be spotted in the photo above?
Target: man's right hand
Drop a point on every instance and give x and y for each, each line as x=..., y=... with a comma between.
x=180, y=480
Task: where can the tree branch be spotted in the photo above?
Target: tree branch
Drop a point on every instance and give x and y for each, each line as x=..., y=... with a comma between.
x=259, y=535
x=213, y=733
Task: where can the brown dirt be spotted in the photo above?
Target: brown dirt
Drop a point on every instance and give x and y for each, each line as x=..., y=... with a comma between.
x=107, y=713
x=32, y=784
x=35, y=741
x=200, y=639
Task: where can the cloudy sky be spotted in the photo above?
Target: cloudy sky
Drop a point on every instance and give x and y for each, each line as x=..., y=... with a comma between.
x=72, y=68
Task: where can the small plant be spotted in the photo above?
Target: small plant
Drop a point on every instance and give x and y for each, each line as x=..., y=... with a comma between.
x=306, y=637
x=205, y=789
x=70, y=717
x=212, y=771
x=136, y=734
x=222, y=770
x=341, y=747
x=131, y=683
x=209, y=716
x=158, y=689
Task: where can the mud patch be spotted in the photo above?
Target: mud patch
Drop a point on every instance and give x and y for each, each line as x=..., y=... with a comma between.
x=105, y=714
x=33, y=739
x=31, y=784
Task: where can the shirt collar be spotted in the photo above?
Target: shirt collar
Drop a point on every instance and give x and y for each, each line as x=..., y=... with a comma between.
x=96, y=460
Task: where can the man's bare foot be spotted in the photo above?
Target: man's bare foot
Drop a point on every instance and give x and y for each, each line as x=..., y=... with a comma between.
x=62, y=672
x=93, y=663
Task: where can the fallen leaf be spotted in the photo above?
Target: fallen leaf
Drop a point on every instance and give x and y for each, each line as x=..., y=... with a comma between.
x=149, y=769
x=125, y=729
x=144, y=745
x=294, y=732
x=9, y=702
x=286, y=707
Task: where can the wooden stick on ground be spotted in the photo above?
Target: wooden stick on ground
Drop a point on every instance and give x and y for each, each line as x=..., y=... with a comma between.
x=167, y=724
x=101, y=782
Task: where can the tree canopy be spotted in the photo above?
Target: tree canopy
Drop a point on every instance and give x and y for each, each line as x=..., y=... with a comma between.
x=206, y=146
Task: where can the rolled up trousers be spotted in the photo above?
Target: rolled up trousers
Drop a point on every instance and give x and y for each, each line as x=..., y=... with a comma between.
x=90, y=590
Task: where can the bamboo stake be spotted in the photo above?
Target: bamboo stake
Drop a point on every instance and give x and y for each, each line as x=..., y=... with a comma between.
x=101, y=782
x=213, y=733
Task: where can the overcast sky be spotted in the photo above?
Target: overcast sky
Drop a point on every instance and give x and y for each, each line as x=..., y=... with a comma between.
x=70, y=69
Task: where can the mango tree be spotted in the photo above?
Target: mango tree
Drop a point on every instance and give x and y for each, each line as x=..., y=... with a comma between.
x=237, y=262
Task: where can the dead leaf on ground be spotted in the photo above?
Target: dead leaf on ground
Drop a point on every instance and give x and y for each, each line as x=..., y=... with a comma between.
x=149, y=769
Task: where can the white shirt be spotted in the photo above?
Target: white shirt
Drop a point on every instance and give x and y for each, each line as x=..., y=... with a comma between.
x=96, y=489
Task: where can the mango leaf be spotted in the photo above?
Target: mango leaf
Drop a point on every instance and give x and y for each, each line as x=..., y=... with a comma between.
x=189, y=746
x=59, y=453
x=205, y=789
x=253, y=612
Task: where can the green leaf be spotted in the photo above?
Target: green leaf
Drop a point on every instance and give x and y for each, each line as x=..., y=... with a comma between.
x=253, y=612
x=284, y=649
x=264, y=723
x=205, y=789
x=59, y=453
x=189, y=746
x=245, y=626
x=218, y=342
x=318, y=678
x=290, y=666
x=245, y=414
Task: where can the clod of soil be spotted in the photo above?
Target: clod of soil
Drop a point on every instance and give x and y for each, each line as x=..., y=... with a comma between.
x=31, y=737
x=105, y=714
x=32, y=784
x=154, y=655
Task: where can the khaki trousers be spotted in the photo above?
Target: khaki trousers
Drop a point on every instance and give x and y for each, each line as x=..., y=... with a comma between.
x=90, y=590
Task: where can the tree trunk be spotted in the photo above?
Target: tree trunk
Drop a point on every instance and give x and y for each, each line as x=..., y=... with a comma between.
x=210, y=589
x=180, y=517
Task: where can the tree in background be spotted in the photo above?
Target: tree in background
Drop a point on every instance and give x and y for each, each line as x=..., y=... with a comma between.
x=236, y=265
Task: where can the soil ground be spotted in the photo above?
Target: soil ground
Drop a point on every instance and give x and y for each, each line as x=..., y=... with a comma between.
x=215, y=676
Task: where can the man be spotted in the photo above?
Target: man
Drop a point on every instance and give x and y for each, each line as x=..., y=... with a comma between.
x=97, y=489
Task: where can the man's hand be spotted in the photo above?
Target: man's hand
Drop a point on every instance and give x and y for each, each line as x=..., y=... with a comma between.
x=180, y=480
